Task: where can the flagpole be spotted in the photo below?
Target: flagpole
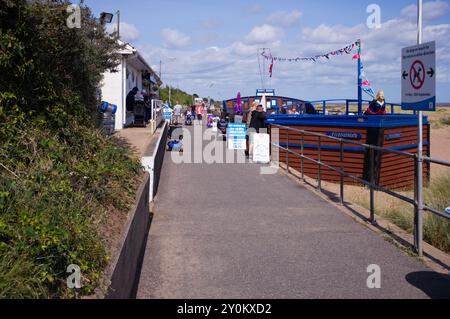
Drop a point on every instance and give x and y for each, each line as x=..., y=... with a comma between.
x=264, y=72
x=359, y=80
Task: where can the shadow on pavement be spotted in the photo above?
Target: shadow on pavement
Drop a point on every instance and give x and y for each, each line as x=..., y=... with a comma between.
x=435, y=285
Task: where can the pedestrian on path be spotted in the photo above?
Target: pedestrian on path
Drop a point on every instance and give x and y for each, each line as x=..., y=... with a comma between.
x=177, y=111
x=258, y=120
x=200, y=111
x=249, y=122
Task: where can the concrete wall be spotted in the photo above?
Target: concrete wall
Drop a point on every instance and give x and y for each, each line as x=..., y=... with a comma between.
x=127, y=264
x=122, y=275
x=153, y=158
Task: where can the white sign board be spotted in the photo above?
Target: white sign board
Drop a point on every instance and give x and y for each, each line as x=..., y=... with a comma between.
x=261, y=148
x=419, y=77
x=237, y=136
x=167, y=111
x=214, y=124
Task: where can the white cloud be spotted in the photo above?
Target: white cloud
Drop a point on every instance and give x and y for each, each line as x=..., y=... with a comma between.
x=284, y=18
x=128, y=32
x=264, y=34
x=235, y=67
x=431, y=10
x=243, y=49
x=174, y=39
x=381, y=52
x=336, y=34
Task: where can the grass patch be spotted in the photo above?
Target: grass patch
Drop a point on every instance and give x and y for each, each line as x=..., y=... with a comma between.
x=436, y=229
x=441, y=122
x=58, y=192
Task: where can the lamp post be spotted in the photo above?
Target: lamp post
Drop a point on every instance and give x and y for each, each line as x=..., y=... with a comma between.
x=118, y=24
x=170, y=80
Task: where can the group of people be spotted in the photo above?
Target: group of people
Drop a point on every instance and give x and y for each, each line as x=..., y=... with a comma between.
x=133, y=96
x=193, y=112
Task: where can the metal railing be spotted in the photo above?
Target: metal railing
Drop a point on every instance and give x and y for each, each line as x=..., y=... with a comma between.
x=371, y=184
x=348, y=102
x=322, y=106
x=157, y=114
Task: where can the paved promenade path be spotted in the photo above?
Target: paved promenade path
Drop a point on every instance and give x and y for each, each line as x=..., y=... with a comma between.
x=226, y=231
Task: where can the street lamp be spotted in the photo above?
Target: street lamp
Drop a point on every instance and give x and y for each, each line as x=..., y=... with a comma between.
x=106, y=17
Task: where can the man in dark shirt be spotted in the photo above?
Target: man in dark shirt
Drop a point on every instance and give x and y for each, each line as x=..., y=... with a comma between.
x=131, y=99
x=258, y=119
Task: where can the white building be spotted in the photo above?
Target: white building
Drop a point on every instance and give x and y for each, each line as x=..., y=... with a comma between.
x=132, y=71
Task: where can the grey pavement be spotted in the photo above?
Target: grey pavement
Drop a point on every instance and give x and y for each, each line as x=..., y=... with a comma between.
x=225, y=231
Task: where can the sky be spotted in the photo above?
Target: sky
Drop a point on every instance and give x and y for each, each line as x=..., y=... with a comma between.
x=210, y=47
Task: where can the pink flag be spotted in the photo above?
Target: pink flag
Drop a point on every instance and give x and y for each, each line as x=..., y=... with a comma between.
x=356, y=57
x=366, y=83
x=271, y=69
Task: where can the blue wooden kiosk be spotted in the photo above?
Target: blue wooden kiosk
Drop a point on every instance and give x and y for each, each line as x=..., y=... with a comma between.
x=345, y=119
x=393, y=131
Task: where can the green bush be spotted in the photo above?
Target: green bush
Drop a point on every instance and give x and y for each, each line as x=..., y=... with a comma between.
x=61, y=180
x=51, y=213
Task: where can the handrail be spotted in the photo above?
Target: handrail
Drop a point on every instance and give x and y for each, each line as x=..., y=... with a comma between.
x=337, y=139
x=157, y=114
x=373, y=186
x=347, y=104
x=298, y=103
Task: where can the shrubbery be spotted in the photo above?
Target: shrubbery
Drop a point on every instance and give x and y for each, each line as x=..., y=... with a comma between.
x=60, y=178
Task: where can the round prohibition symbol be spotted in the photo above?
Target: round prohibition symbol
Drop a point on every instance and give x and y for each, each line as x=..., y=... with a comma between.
x=417, y=75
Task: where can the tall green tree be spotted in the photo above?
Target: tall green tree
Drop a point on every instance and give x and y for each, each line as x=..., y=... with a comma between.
x=47, y=68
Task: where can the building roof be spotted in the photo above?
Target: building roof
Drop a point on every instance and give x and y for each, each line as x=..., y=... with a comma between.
x=135, y=58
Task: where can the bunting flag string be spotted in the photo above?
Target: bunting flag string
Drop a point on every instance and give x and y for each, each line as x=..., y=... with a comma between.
x=347, y=50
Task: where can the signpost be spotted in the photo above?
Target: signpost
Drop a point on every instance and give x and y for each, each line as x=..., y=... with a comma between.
x=237, y=136
x=419, y=94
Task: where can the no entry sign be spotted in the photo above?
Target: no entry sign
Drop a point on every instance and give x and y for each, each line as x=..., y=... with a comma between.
x=419, y=77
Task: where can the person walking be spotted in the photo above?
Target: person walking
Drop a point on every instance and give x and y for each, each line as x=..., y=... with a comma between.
x=177, y=111
x=192, y=108
x=249, y=123
x=200, y=111
x=257, y=124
